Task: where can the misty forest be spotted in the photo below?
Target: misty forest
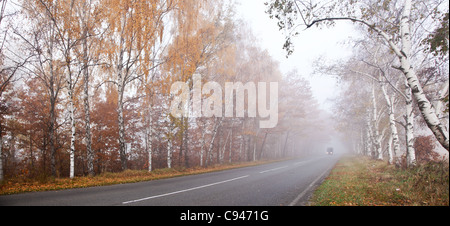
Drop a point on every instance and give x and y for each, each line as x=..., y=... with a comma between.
x=85, y=86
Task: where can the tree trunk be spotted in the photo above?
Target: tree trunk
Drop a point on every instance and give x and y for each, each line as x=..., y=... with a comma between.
x=262, y=147
x=230, y=155
x=149, y=139
x=369, y=142
x=186, y=141
x=73, y=131
x=169, y=154
x=395, y=144
x=439, y=103
x=52, y=97
x=87, y=114
x=255, y=145
x=202, y=147
x=375, y=123
x=241, y=147
x=52, y=136
x=410, y=139
x=285, y=143
x=1, y=155
x=390, y=152
x=222, y=153
x=122, y=148
x=216, y=129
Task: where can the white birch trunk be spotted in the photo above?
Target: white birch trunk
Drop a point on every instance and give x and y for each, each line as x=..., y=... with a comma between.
x=395, y=143
x=216, y=129
x=202, y=148
x=231, y=147
x=370, y=137
x=70, y=87
x=87, y=114
x=254, y=151
x=72, y=139
x=375, y=123
x=410, y=139
x=121, y=90
x=439, y=102
x=390, y=152
x=361, y=143
x=222, y=153
x=1, y=156
x=169, y=154
x=368, y=143
x=241, y=147
x=150, y=138
x=255, y=145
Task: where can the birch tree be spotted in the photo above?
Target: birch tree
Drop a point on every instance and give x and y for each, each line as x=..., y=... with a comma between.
x=379, y=70
x=10, y=64
x=89, y=19
x=65, y=32
x=133, y=28
x=47, y=66
x=74, y=23
x=393, y=21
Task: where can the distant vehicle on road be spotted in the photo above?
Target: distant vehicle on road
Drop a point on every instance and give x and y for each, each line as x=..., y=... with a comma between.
x=330, y=151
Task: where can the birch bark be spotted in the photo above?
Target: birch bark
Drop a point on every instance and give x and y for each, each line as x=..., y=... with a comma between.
x=410, y=139
x=169, y=154
x=149, y=138
x=72, y=124
x=222, y=153
x=394, y=132
x=211, y=144
x=375, y=123
x=390, y=152
x=369, y=137
x=1, y=155
x=202, y=148
x=122, y=149
x=86, y=76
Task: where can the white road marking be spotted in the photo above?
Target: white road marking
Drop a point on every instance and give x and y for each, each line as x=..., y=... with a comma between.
x=177, y=192
x=300, y=196
x=273, y=169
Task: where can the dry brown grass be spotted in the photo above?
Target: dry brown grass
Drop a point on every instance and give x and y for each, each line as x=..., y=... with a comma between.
x=364, y=182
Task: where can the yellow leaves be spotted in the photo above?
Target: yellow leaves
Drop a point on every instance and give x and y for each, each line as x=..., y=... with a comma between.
x=200, y=42
x=134, y=28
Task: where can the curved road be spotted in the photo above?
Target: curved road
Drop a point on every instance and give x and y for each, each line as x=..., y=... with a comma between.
x=288, y=183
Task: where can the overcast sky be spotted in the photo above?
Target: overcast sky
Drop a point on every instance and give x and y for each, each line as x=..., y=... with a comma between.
x=309, y=45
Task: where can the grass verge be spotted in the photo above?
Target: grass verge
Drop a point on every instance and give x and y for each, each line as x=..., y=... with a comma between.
x=358, y=181
x=22, y=185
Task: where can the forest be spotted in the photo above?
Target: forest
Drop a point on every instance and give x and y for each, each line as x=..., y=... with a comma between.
x=85, y=86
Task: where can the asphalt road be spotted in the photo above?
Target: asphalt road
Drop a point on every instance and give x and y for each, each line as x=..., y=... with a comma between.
x=288, y=183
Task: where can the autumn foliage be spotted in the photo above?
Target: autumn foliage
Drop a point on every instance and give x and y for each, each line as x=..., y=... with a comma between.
x=91, y=93
x=425, y=146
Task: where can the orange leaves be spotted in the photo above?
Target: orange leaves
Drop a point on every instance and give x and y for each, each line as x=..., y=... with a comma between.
x=201, y=39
